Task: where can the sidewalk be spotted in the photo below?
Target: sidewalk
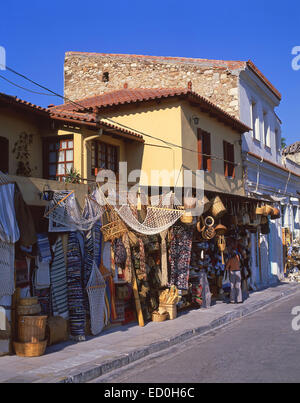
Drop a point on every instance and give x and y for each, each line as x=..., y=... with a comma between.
x=82, y=362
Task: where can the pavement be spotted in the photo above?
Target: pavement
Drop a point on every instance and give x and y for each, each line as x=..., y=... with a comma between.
x=260, y=348
x=116, y=348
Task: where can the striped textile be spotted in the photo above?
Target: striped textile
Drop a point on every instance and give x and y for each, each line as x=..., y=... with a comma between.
x=88, y=266
x=9, y=230
x=97, y=237
x=7, y=258
x=59, y=282
x=44, y=248
x=76, y=304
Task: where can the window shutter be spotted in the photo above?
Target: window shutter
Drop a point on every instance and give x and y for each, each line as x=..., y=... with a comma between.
x=231, y=159
x=208, y=151
x=200, y=148
x=225, y=154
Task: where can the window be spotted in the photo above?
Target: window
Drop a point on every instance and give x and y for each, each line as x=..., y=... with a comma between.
x=266, y=130
x=105, y=77
x=104, y=156
x=204, y=150
x=229, y=164
x=59, y=158
x=277, y=140
x=4, y=153
x=254, y=121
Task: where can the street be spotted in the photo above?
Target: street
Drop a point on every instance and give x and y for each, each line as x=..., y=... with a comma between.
x=262, y=347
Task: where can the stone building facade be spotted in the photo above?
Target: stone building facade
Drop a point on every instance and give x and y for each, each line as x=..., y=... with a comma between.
x=88, y=74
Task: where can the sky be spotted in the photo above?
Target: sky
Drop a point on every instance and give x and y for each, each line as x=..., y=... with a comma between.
x=36, y=35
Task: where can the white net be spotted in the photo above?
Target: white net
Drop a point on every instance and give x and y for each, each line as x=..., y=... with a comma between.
x=158, y=218
x=7, y=280
x=96, y=293
x=64, y=210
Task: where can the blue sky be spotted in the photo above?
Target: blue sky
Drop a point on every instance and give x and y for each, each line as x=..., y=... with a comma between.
x=36, y=35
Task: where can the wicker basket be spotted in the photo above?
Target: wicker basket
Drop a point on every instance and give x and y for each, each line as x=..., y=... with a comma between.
x=268, y=210
x=28, y=301
x=31, y=329
x=276, y=214
x=29, y=309
x=220, y=229
x=186, y=218
x=113, y=230
x=218, y=209
x=157, y=317
x=171, y=309
x=189, y=202
x=205, y=204
x=30, y=349
x=209, y=221
x=56, y=330
x=259, y=210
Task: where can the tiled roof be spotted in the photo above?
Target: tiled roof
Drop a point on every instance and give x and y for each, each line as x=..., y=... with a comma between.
x=90, y=119
x=292, y=149
x=229, y=64
x=12, y=100
x=132, y=96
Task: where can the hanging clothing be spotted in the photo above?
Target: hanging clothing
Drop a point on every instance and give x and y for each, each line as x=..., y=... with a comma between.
x=7, y=273
x=88, y=265
x=42, y=275
x=9, y=229
x=59, y=282
x=180, y=256
x=44, y=251
x=75, y=288
x=128, y=264
x=24, y=219
x=97, y=238
x=164, y=259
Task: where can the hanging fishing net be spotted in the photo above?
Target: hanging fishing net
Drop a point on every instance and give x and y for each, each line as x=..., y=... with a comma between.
x=96, y=294
x=159, y=215
x=64, y=210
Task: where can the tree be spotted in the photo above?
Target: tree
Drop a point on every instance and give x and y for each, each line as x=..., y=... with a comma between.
x=283, y=142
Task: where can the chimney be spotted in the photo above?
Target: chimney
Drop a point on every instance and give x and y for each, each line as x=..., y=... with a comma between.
x=190, y=85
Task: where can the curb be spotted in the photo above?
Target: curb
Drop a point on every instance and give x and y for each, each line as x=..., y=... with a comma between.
x=88, y=372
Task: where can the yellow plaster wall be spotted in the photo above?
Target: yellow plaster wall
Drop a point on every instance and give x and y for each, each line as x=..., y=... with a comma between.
x=12, y=124
x=214, y=180
x=161, y=120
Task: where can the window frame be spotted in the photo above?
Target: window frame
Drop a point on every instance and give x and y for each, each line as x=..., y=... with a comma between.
x=255, y=120
x=96, y=157
x=57, y=142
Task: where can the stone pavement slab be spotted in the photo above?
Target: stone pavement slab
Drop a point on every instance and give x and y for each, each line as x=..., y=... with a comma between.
x=117, y=347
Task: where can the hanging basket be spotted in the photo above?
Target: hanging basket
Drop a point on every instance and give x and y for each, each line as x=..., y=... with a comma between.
x=205, y=204
x=208, y=233
x=31, y=329
x=259, y=210
x=268, y=210
x=220, y=229
x=209, y=221
x=30, y=349
x=276, y=214
x=218, y=209
x=189, y=202
x=186, y=218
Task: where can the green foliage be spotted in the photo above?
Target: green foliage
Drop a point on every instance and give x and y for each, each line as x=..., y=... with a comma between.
x=73, y=176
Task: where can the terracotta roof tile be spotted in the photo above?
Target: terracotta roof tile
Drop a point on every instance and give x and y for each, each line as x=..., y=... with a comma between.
x=131, y=96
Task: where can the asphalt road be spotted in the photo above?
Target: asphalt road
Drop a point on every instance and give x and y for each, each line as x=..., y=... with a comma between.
x=262, y=347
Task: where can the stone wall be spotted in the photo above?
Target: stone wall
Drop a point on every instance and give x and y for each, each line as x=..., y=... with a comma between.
x=88, y=74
